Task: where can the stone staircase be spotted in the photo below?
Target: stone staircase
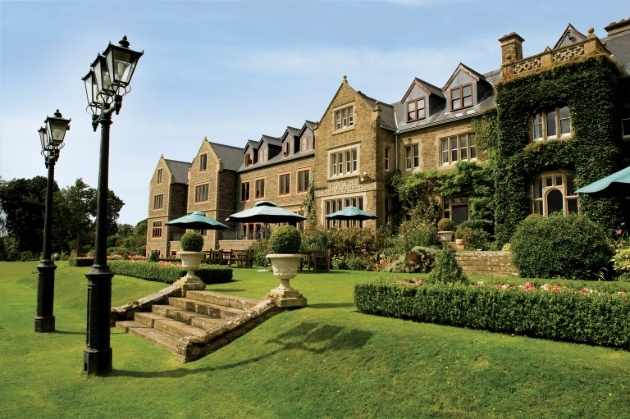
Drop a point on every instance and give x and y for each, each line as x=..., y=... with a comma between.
x=193, y=325
x=494, y=264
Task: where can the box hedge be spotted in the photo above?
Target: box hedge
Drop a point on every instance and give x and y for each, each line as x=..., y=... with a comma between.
x=583, y=316
x=209, y=274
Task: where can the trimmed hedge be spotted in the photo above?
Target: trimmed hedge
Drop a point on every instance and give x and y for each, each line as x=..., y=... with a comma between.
x=591, y=317
x=80, y=261
x=209, y=274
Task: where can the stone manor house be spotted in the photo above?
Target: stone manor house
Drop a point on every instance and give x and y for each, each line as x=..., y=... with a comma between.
x=359, y=141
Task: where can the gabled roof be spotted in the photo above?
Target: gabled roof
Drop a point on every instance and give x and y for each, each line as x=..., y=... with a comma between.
x=462, y=67
x=308, y=125
x=619, y=45
x=570, y=36
x=230, y=156
x=428, y=88
x=273, y=141
x=250, y=144
x=179, y=170
x=290, y=132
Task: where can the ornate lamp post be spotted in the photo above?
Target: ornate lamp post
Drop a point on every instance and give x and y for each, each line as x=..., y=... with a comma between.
x=105, y=85
x=51, y=138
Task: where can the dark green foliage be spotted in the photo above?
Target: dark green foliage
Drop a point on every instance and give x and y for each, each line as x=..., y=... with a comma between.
x=191, y=241
x=352, y=240
x=446, y=268
x=594, y=318
x=153, y=257
x=445, y=224
x=411, y=233
x=592, y=90
x=569, y=246
x=209, y=274
x=260, y=251
x=316, y=239
x=285, y=239
x=80, y=261
x=419, y=259
x=477, y=239
x=478, y=224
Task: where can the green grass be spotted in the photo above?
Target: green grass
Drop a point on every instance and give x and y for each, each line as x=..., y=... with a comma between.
x=324, y=360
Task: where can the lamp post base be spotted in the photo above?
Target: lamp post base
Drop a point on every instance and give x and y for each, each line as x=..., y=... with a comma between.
x=97, y=361
x=45, y=320
x=45, y=324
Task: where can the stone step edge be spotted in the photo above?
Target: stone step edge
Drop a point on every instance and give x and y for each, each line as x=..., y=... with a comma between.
x=203, y=307
x=239, y=303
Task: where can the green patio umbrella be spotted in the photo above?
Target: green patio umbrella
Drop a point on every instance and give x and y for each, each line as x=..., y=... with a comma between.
x=266, y=212
x=615, y=185
x=351, y=213
x=197, y=221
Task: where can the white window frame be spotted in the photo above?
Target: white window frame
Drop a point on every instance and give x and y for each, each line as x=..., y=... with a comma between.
x=540, y=125
x=344, y=162
x=412, y=157
x=343, y=118
x=452, y=148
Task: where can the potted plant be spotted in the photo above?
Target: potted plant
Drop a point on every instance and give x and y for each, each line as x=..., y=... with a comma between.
x=191, y=255
x=445, y=229
x=284, y=246
x=460, y=237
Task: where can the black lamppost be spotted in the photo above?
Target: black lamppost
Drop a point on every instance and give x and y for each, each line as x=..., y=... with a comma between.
x=105, y=85
x=51, y=138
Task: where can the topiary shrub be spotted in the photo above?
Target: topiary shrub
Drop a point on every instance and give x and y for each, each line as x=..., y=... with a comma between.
x=477, y=239
x=191, y=241
x=446, y=268
x=445, y=224
x=285, y=239
x=417, y=260
x=569, y=246
x=153, y=257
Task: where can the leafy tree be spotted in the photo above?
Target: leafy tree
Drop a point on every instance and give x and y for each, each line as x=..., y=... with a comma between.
x=23, y=202
x=79, y=206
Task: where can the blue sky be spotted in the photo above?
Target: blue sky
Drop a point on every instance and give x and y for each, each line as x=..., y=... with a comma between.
x=233, y=71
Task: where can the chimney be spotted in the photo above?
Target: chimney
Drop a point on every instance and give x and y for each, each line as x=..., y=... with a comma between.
x=511, y=48
x=617, y=27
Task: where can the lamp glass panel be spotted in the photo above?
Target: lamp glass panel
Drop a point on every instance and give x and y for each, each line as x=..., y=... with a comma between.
x=57, y=130
x=103, y=80
x=43, y=138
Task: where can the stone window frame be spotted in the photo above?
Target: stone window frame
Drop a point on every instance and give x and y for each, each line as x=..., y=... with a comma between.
x=459, y=102
x=548, y=182
x=412, y=157
x=259, y=188
x=387, y=156
x=446, y=154
x=539, y=125
x=306, y=183
x=245, y=187
x=159, y=176
x=158, y=201
x=203, y=162
x=416, y=111
x=339, y=166
x=343, y=118
x=284, y=187
x=202, y=192
x=156, y=229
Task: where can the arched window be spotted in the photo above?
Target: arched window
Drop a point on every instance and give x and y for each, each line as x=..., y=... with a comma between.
x=554, y=192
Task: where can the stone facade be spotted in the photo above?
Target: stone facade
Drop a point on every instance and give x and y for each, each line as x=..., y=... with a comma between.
x=359, y=142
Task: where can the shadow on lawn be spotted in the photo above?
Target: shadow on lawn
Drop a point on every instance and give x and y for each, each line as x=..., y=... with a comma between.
x=331, y=305
x=312, y=337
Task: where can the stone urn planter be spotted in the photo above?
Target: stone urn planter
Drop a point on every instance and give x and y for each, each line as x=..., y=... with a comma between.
x=284, y=244
x=445, y=229
x=445, y=236
x=191, y=256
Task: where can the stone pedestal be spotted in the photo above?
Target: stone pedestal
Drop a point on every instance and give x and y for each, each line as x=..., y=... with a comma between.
x=191, y=262
x=285, y=267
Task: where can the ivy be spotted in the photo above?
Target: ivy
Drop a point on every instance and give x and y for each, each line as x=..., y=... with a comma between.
x=594, y=91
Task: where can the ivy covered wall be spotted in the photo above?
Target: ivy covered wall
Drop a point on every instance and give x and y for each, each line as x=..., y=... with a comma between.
x=595, y=92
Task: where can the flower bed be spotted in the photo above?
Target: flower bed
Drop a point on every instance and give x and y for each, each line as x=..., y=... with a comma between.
x=547, y=311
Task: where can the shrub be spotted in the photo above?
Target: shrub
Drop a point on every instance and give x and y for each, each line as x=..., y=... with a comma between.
x=316, y=239
x=566, y=315
x=417, y=260
x=485, y=225
x=74, y=261
x=411, y=233
x=477, y=239
x=285, y=239
x=352, y=240
x=154, y=257
x=446, y=268
x=621, y=263
x=569, y=246
x=191, y=241
x=169, y=273
x=445, y=224
x=260, y=249
x=462, y=233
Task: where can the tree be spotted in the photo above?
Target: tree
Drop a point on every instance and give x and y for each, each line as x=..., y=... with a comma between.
x=79, y=206
x=23, y=202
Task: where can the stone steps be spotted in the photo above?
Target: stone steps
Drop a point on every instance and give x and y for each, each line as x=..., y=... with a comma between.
x=496, y=264
x=197, y=324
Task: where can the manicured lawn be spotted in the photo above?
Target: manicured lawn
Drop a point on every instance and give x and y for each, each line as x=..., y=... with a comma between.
x=325, y=360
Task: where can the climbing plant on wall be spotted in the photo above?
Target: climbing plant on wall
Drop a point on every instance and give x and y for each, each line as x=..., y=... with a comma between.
x=595, y=92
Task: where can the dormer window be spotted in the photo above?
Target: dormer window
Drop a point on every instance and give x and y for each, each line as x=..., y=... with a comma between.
x=553, y=124
x=287, y=149
x=461, y=97
x=416, y=110
x=248, y=159
x=262, y=155
x=344, y=118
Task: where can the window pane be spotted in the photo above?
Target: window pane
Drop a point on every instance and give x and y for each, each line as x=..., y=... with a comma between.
x=537, y=132
x=570, y=186
x=551, y=124
x=463, y=143
x=471, y=145
x=555, y=202
x=548, y=182
x=625, y=127
x=421, y=109
x=453, y=149
x=538, y=209
x=572, y=205
x=565, y=121
x=444, y=150
x=460, y=214
x=416, y=155
x=538, y=188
